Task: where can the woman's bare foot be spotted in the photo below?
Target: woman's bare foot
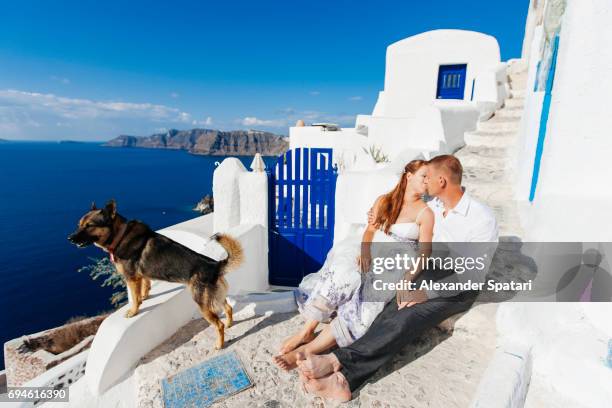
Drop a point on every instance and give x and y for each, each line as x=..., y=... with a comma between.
x=334, y=387
x=295, y=341
x=288, y=361
x=317, y=366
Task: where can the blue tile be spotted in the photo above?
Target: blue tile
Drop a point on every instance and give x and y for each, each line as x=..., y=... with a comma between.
x=205, y=383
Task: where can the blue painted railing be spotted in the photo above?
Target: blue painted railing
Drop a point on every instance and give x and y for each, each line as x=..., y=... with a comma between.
x=544, y=118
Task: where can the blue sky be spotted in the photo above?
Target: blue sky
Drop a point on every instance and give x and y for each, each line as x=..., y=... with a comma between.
x=91, y=70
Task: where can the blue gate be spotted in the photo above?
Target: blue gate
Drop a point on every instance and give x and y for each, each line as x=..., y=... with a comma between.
x=451, y=81
x=302, y=189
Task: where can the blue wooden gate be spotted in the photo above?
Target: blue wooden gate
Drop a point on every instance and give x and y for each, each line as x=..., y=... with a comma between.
x=302, y=189
x=451, y=81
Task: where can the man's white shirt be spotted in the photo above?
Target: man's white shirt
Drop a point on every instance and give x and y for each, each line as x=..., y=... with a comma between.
x=469, y=221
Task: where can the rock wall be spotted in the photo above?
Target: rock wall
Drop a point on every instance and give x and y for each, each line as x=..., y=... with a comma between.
x=209, y=142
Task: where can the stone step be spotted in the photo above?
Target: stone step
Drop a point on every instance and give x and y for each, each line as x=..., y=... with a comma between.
x=517, y=81
x=489, y=152
x=488, y=141
x=513, y=106
x=518, y=93
x=518, y=103
x=503, y=119
x=514, y=113
x=517, y=66
x=484, y=175
x=477, y=161
x=497, y=125
x=491, y=133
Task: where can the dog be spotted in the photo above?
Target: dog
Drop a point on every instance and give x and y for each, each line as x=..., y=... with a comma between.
x=140, y=255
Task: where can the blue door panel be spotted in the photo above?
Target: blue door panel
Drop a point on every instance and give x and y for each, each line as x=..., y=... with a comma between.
x=302, y=189
x=316, y=247
x=451, y=81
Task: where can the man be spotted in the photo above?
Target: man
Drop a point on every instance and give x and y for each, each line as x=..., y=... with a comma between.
x=458, y=219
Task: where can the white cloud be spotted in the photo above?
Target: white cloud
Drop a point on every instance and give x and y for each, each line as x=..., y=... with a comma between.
x=174, y=95
x=25, y=114
x=72, y=108
x=308, y=116
x=254, y=121
x=356, y=98
x=314, y=93
x=206, y=122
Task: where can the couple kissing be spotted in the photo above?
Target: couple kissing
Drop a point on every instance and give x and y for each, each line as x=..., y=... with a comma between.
x=365, y=332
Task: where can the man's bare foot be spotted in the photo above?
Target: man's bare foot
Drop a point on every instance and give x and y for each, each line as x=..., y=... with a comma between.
x=295, y=341
x=314, y=366
x=334, y=387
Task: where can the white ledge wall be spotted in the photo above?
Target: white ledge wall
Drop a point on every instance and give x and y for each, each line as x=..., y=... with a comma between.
x=120, y=342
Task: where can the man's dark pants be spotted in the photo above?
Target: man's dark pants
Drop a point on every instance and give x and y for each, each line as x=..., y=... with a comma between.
x=393, y=329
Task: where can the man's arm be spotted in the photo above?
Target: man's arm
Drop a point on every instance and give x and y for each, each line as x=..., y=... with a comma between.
x=480, y=250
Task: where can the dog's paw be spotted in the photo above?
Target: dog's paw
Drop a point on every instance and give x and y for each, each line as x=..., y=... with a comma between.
x=131, y=313
x=218, y=346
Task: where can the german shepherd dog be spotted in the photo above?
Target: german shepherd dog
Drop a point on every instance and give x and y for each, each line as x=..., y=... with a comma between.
x=141, y=254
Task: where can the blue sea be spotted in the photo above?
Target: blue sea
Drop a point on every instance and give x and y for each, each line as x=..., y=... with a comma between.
x=45, y=187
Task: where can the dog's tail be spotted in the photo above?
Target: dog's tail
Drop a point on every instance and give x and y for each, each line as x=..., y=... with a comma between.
x=234, y=252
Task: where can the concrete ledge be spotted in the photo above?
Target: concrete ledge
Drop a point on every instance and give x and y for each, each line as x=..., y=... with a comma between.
x=506, y=380
x=257, y=304
x=121, y=342
x=62, y=376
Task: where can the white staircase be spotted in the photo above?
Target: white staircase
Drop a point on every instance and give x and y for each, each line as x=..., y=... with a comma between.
x=488, y=152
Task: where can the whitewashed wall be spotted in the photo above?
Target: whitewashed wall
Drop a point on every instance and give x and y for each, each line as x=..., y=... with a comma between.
x=411, y=72
x=348, y=145
x=573, y=198
x=568, y=341
x=437, y=128
x=530, y=125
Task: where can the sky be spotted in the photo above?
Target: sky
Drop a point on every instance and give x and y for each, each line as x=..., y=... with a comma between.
x=92, y=70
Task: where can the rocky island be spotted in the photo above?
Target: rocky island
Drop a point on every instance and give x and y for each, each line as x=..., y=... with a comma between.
x=209, y=142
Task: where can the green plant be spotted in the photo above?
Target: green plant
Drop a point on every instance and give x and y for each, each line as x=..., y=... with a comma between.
x=104, y=268
x=377, y=154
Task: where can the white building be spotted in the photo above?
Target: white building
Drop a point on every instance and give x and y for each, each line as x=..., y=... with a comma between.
x=438, y=84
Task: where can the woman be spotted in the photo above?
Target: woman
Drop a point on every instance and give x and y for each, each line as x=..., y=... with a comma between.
x=400, y=216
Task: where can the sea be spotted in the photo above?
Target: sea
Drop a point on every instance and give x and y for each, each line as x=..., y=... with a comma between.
x=45, y=187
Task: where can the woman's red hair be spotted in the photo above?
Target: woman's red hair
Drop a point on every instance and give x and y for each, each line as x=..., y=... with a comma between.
x=390, y=204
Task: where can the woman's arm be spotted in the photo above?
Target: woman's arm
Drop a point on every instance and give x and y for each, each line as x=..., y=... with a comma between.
x=364, y=259
x=426, y=224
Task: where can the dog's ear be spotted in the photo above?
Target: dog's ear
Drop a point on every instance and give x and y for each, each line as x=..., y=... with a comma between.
x=111, y=208
x=93, y=206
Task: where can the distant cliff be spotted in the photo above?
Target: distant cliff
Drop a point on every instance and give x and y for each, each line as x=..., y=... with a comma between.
x=209, y=142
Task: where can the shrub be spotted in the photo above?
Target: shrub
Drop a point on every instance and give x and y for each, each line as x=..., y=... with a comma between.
x=377, y=154
x=104, y=268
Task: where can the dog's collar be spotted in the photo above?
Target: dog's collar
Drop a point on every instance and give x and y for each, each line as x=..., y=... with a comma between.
x=111, y=248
